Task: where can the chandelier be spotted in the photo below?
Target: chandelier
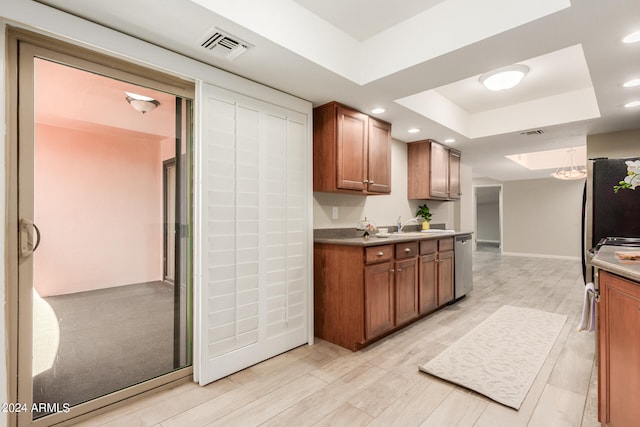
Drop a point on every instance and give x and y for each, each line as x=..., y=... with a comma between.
x=570, y=172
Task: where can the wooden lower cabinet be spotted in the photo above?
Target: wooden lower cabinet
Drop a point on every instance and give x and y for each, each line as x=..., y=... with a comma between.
x=445, y=277
x=406, y=290
x=618, y=350
x=362, y=294
x=436, y=274
x=428, y=280
x=378, y=300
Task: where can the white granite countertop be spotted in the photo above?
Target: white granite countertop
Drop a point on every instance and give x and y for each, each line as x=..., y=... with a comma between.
x=390, y=239
x=606, y=259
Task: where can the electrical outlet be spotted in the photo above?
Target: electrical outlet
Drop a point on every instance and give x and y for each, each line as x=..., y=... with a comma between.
x=334, y=212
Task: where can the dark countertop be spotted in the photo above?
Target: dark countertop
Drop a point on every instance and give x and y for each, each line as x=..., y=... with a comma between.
x=392, y=238
x=606, y=259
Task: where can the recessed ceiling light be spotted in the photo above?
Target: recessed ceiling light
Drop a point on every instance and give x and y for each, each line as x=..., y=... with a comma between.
x=504, y=78
x=449, y=140
x=378, y=110
x=413, y=130
x=632, y=83
x=632, y=104
x=632, y=38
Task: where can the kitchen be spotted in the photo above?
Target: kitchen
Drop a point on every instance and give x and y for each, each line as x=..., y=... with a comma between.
x=522, y=199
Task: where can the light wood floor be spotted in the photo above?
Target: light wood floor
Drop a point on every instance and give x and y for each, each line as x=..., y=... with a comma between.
x=325, y=385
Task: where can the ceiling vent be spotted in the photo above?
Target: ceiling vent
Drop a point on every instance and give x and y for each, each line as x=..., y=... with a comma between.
x=224, y=45
x=532, y=132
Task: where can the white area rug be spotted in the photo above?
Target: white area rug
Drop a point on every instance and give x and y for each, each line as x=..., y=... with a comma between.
x=501, y=357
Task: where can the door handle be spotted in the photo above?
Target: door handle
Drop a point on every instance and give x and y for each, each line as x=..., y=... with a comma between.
x=27, y=246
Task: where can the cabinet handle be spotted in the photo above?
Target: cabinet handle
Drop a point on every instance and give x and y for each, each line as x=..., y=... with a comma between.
x=371, y=182
x=399, y=270
x=392, y=270
x=366, y=181
x=380, y=253
x=407, y=250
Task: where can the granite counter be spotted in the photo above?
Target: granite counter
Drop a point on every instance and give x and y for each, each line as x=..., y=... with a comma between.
x=606, y=259
x=390, y=238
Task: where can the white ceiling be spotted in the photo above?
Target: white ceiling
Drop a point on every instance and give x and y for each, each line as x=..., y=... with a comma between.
x=421, y=60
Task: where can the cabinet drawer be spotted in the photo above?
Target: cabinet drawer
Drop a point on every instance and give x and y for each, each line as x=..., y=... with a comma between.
x=406, y=250
x=378, y=254
x=445, y=244
x=428, y=247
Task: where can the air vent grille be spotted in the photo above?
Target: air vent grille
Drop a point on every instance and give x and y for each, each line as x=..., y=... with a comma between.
x=532, y=132
x=223, y=44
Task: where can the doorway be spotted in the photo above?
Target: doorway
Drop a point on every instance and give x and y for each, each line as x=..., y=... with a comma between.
x=98, y=320
x=488, y=216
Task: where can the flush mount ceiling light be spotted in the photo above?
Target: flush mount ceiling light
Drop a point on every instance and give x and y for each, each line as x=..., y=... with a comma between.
x=504, y=78
x=449, y=140
x=141, y=103
x=632, y=83
x=632, y=104
x=632, y=38
x=570, y=172
x=378, y=110
x=413, y=130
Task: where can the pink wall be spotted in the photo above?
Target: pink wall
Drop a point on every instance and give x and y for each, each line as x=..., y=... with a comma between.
x=98, y=204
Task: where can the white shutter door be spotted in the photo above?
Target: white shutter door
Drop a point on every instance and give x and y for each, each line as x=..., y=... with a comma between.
x=253, y=259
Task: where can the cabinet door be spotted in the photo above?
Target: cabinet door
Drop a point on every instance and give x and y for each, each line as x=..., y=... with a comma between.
x=418, y=170
x=445, y=277
x=353, y=135
x=427, y=283
x=619, y=351
x=406, y=276
x=439, y=171
x=378, y=299
x=379, y=167
x=454, y=174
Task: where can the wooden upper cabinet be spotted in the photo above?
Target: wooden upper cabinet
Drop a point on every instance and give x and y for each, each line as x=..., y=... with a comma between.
x=379, y=165
x=351, y=151
x=433, y=171
x=439, y=168
x=454, y=174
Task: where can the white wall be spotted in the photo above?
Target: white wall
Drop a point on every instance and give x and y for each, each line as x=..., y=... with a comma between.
x=383, y=210
x=614, y=144
x=542, y=217
x=464, y=220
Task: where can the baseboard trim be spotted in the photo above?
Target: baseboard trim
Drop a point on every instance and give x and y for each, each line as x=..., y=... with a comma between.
x=562, y=257
x=494, y=242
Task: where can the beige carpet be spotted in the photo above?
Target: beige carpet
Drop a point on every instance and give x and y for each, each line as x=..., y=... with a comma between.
x=501, y=357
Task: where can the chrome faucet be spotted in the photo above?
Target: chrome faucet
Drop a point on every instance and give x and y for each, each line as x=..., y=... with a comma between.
x=401, y=225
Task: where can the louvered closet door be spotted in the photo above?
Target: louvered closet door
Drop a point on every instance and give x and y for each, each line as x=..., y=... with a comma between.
x=254, y=264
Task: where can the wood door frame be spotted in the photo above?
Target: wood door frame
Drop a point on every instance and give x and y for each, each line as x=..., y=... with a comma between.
x=19, y=337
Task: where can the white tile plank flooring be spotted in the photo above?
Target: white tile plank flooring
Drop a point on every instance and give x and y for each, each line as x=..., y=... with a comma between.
x=325, y=385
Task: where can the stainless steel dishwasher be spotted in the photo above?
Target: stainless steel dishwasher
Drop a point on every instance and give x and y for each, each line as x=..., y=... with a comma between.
x=463, y=268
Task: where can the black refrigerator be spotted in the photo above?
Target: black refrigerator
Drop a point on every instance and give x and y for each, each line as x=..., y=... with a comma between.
x=614, y=216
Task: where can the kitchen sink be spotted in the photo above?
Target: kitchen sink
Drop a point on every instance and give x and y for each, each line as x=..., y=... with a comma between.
x=408, y=234
x=422, y=233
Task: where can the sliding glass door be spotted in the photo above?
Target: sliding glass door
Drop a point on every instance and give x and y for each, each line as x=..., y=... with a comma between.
x=104, y=271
